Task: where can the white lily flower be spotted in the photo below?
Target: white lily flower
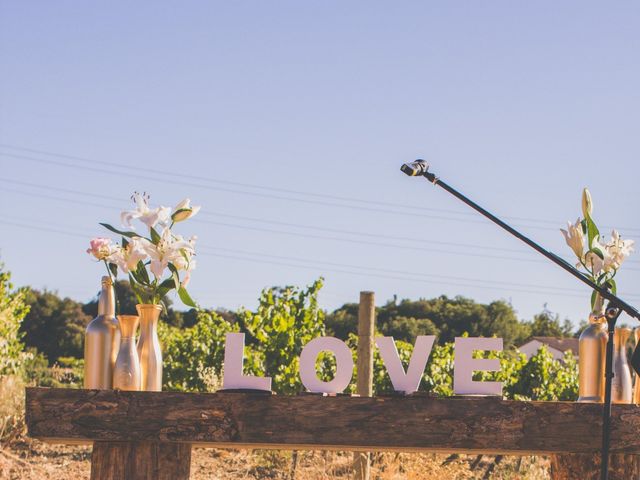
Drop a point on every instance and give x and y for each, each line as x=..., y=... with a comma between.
x=183, y=211
x=185, y=261
x=150, y=217
x=127, y=258
x=617, y=250
x=574, y=238
x=170, y=249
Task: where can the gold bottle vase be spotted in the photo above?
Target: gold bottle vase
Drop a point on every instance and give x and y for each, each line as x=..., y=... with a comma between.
x=126, y=373
x=149, y=350
x=101, y=341
x=621, y=388
x=591, y=360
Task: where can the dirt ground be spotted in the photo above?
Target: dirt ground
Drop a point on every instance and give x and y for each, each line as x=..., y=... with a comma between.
x=28, y=459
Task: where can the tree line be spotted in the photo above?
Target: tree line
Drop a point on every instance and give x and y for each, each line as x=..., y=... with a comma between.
x=55, y=325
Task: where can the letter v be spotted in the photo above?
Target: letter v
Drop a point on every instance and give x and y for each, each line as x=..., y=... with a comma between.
x=410, y=381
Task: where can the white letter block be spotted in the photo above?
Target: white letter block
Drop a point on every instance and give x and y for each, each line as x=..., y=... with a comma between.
x=232, y=373
x=464, y=365
x=410, y=381
x=344, y=365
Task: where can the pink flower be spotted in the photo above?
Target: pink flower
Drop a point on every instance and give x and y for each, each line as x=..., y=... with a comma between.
x=100, y=247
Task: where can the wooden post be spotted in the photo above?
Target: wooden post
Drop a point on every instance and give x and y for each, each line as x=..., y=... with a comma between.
x=140, y=461
x=587, y=467
x=366, y=331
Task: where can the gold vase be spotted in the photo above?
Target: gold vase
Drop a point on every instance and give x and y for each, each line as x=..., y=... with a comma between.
x=591, y=360
x=126, y=373
x=149, y=351
x=621, y=388
x=101, y=341
x=636, y=386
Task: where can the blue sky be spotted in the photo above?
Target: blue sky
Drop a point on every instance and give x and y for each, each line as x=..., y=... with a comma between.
x=288, y=122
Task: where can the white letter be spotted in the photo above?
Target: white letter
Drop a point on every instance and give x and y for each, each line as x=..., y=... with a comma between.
x=232, y=373
x=344, y=365
x=410, y=381
x=464, y=365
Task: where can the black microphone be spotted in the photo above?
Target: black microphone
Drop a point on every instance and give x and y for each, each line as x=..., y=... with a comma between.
x=413, y=169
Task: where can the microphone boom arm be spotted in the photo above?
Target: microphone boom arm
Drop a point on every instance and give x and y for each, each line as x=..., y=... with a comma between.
x=421, y=168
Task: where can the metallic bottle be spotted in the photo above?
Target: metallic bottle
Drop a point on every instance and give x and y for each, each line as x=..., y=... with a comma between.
x=148, y=348
x=591, y=360
x=621, y=388
x=126, y=373
x=101, y=341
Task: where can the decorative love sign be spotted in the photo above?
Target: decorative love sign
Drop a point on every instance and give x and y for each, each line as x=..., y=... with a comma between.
x=402, y=381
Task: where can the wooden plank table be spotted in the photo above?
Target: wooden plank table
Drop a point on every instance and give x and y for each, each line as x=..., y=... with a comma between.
x=148, y=435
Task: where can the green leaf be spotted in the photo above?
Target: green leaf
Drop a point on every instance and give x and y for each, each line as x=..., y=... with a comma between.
x=598, y=252
x=113, y=268
x=592, y=231
x=141, y=270
x=165, y=287
x=611, y=284
x=174, y=274
x=120, y=232
x=594, y=295
x=155, y=236
x=186, y=298
x=583, y=224
x=135, y=289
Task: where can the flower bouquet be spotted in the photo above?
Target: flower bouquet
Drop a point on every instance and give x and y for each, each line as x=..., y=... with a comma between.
x=155, y=264
x=600, y=260
x=145, y=259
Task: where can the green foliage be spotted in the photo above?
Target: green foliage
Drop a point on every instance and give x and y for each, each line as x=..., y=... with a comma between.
x=543, y=378
x=286, y=319
x=67, y=372
x=539, y=378
x=193, y=357
x=546, y=324
x=13, y=309
x=54, y=325
x=445, y=317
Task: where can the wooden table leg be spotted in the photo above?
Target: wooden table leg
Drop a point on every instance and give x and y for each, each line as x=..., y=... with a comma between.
x=140, y=461
x=587, y=467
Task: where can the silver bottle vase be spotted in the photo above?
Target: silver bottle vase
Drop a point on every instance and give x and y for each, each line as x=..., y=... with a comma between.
x=126, y=373
x=591, y=360
x=101, y=341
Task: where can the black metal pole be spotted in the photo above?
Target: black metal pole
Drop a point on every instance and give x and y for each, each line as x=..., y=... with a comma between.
x=615, y=308
x=612, y=317
x=606, y=294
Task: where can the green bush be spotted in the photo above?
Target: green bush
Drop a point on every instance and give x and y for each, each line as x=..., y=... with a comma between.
x=285, y=321
x=193, y=357
x=13, y=309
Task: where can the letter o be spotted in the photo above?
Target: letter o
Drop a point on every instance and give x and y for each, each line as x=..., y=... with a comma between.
x=344, y=365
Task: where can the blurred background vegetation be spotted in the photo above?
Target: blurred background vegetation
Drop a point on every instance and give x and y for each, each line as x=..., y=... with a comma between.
x=41, y=342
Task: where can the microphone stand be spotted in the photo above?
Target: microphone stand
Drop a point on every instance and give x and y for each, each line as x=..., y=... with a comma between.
x=614, y=308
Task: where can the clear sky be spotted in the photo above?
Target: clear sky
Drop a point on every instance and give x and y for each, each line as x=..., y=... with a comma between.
x=288, y=122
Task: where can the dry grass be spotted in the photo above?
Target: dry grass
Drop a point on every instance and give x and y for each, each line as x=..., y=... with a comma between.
x=11, y=407
x=29, y=459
